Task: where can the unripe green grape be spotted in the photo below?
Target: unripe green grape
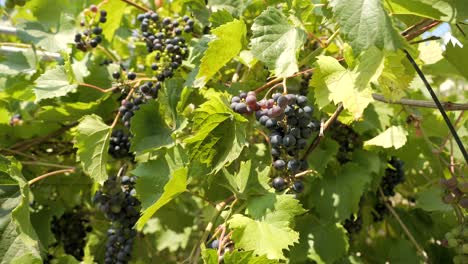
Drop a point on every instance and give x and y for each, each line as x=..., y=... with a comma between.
x=452, y=242
x=465, y=248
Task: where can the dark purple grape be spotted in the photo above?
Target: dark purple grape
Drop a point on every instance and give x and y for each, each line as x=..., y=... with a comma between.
x=289, y=140
x=279, y=184
x=279, y=164
x=298, y=186
x=294, y=165
x=276, y=140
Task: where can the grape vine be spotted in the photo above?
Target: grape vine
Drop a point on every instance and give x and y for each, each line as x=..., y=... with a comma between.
x=233, y=131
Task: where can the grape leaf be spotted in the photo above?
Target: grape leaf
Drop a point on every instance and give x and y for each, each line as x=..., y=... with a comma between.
x=319, y=241
x=396, y=75
x=394, y=136
x=18, y=240
x=268, y=232
x=149, y=129
x=114, y=18
x=445, y=10
x=234, y=7
x=423, y=8
x=275, y=42
x=337, y=195
x=92, y=141
x=453, y=55
x=429, y=200
x=175, y=186
x=220, y=17
x=334, y=82
x=226, y=45
x=53, y=83
x=220, y=134
x=18, y=62
x=150, y=186
x=246, y=257
x=52, y=41
x=365, y=23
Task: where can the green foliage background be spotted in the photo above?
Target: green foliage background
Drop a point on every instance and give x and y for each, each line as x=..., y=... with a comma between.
x=193, y=152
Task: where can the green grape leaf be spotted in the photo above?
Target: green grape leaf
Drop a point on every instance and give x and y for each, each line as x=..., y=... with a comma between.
x=19, y=242
x=51, y=41
x=175, y=186
x=423, y=8
x=220, y=17
x=92, y=141
x=268, y=232
x=220, y=134
x=238, y=181
x=453, y=55
x=365, y=23
x=334, y=83
x=149, y=129
x=319, y=241
x=233, y=7
x=53, y=83
x=337, y=195
x=246, y=257
x=116, y=11
x=394, y=136
x=226, y=45
x=210, y=256
x=445, y=10
x=276, y=42
x=396, y=75
x=430, y=200
x=18, y=62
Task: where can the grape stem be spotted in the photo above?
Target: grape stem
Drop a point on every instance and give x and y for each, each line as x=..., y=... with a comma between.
x=23, y=145
x=324, y=127
x=448, y=106
x=304, y=173
x=116, y=119
x=143, y=8
x=219, y=208
x=46, y=164
x=404, y=227
x=97, y=88
x=70, y=170
x=279, y=80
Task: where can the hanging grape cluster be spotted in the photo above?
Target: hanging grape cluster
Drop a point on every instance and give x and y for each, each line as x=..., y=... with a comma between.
x=456, y=191
x=289, y=120
x=70, y=231
x=394, y=175
x=119, y=145
x=117, y=201
x=353, y=224
x=164, y=39
x=347, y=139
x=91, y=37
x=457, y=239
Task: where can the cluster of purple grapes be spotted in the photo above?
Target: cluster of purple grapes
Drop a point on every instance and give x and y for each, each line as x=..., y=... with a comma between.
x=165, y=38
x=394, y=175
x=347, y=139
x=353, y=224
x=119, y=145
x=91, y=37
x=455, y=192
x=70, y=231
x=117, y=201
x=289, y=119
